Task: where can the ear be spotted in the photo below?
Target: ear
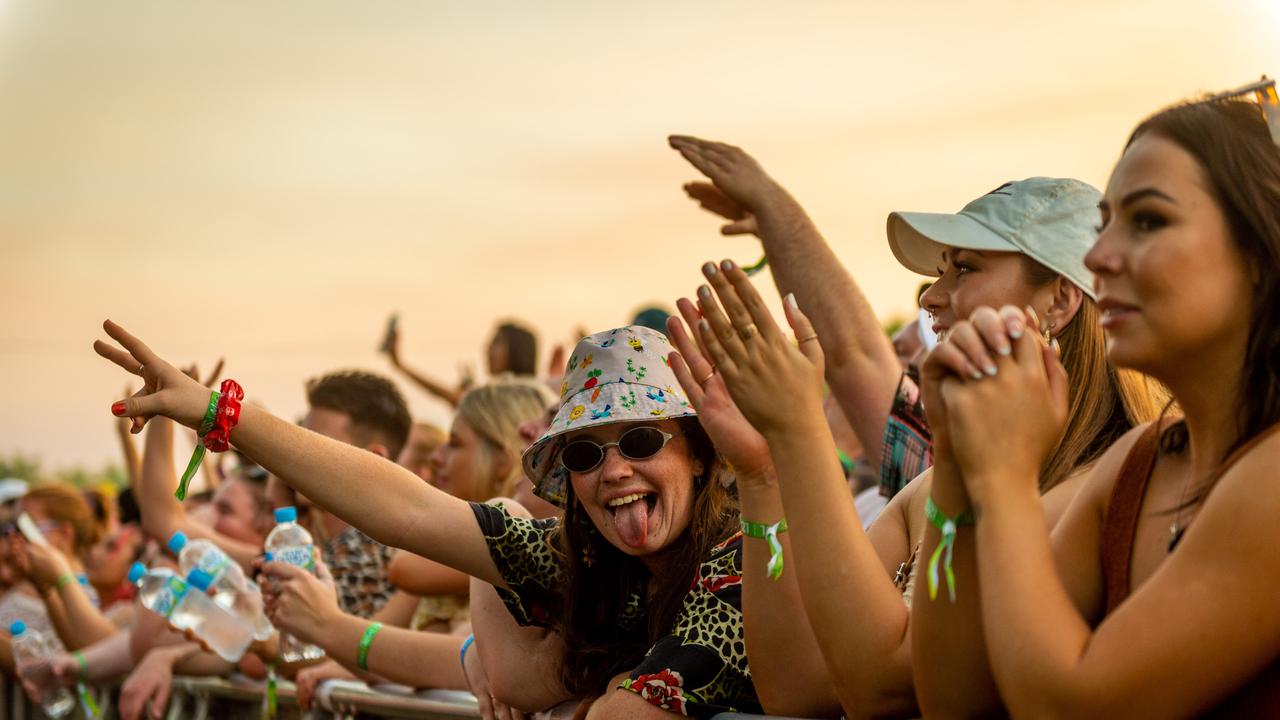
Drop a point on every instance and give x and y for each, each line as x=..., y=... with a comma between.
x=503, y=463
x=379, y=449
x=1064, y=303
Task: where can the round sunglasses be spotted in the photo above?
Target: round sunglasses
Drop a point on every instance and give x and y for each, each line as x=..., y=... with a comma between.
x=639, y=443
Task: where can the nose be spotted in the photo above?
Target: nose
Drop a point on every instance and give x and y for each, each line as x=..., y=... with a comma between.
x=934, y=299
x=614, y=467
x=436, y=461
x=1104, y=257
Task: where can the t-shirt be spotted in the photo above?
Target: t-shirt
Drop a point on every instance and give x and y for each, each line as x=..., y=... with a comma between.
x=699, y=669
x=359, y=566
x=907, y=450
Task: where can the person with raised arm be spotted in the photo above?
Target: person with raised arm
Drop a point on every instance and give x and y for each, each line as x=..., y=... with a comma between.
x=513, y=350
x=1152, y=596
x=641, y=576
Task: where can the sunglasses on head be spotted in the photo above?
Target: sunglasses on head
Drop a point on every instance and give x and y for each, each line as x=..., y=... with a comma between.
x=638, y=443
x=1264, y=94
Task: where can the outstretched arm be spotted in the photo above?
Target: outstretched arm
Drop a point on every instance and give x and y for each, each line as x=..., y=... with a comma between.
x=451, y=395
x=405, y=512
x=861, y=367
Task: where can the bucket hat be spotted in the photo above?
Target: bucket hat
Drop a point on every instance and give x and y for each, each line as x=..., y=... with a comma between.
x=617, y=376
x=1053, y=221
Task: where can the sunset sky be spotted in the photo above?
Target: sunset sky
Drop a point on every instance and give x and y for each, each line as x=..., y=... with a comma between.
x=268, y=181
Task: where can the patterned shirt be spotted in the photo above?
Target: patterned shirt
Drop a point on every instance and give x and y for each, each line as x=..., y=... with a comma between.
x=359, y=566
x=908, y=446
x=699, y=669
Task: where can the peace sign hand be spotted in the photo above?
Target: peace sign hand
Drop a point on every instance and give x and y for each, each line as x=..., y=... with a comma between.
x=165, y=391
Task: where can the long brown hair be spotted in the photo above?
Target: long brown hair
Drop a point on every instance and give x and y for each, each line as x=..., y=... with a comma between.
x=596, y=594
x=1231, y=142
x=1103, y=402
x=65, y=504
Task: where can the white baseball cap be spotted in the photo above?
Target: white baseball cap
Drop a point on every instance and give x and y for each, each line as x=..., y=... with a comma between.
x=1053, y=221
x=12, y=489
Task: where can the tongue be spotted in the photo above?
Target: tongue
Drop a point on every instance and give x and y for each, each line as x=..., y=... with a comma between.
x=632, y=522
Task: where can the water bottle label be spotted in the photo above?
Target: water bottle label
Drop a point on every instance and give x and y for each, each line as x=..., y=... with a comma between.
x=169, y=597
x=214, y=564
x=300, y=555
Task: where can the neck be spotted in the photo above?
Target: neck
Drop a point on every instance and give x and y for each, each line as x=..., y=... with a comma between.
x=1209, y=397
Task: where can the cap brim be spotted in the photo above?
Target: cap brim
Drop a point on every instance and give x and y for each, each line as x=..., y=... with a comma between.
x=919, y=240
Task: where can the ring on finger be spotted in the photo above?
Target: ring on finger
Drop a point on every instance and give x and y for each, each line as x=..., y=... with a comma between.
x=139, y=370
x=710, y=374
x=807, y=338
x=749, y=331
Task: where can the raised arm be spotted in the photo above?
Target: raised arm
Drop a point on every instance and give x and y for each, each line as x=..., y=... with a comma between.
x=451, y=395
x=420, y=576
x=71, y=611
x=405, y=512
x=838, y=568
x=861, y=367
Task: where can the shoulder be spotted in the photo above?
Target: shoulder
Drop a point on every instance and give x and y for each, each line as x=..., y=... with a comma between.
x=497, y=522
x=1100, y=480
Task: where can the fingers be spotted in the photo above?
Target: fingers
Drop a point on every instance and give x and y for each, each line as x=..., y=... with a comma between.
x=712, y=199
x=966, y=338
x=685, y=378
x=136, y=347
x=745, y=226
x=718, y=337
x=691, y=150
x=282, y=571
x=747, y=298
x=806, y=336
x=304, y=684
x=160, y=701
x=993, y=331
x=120, y=357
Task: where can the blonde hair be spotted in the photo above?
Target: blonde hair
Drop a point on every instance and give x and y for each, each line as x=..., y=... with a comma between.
x=495, y=411
x=1103, y=402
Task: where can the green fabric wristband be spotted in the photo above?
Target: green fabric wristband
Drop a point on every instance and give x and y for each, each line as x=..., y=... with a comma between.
x=362, y=654
x=206, y=424
x=768, y=533
x=947, y=526
x=64, y=580
x=761, y=264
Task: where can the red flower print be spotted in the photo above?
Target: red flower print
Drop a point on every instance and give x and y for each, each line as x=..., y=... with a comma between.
x=662, y=688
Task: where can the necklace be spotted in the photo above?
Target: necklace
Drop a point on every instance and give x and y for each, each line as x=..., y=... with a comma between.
x=1176, y=528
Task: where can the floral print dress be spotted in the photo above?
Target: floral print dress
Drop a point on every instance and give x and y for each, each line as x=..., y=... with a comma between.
x=698, y=669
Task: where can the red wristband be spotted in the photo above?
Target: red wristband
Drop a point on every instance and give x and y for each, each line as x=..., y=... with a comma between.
x=219, y=438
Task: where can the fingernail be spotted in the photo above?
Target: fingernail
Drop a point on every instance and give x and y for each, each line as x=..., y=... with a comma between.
x=1054, y=344
x=709, y=269
x=991, y=370
x=727, y=265
x=790, y=300
x=118, y=409
x=1015, y=329
x=976, y=375
x=704, y=325
x=704, y=292
x=1004, y=349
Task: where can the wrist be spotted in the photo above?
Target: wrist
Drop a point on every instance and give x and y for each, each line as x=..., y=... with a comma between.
x=763, y=477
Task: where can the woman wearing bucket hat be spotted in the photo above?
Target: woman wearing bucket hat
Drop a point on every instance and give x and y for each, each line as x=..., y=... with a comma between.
x=642, y=577
x=1021, y=244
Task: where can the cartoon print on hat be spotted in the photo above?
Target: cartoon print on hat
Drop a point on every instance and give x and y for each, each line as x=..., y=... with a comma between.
x=620, y=375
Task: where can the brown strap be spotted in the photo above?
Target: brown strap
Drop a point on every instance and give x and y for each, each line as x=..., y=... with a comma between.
x=1120, y=524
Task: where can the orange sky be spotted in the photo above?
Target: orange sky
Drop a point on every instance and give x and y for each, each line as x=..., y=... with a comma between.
x=321, y=163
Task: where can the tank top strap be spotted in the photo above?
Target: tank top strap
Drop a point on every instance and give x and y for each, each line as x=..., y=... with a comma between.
x=1120, y=524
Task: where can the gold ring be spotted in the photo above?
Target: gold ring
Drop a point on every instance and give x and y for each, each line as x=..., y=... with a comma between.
x=748, y=332
x=710, y=375
x=804, y=340
x=140, y=367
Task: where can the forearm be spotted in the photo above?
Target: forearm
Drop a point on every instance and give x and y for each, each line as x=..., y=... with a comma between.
x=129, y=453
x=420, y=576
x=523, y=664
x=189, y=659
x=861, y=366
x=787, y=667
x=1034, y=634
x=108, y=658
x=162, y=513
x=398, y=611
x=866, y=653
x=416, y=659
x=77, y=622
x=952, y=672
x=405, y=512
x=450, y=395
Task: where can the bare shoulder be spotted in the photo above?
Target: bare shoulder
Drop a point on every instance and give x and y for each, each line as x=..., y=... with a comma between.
x=1101, y=477
x=894, y=533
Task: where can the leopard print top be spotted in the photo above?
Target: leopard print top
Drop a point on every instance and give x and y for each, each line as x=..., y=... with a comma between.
x=699, y=669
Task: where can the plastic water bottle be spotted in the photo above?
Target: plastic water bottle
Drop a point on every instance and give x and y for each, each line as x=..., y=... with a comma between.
x=186, y=607
x=290, y=543
x=231, y=589
x=29, y=647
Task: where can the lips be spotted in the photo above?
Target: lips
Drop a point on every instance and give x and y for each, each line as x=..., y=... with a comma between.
x=1115, y=312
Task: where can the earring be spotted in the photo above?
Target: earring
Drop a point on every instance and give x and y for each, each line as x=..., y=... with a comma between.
x=589, y=556
x=1048, y=332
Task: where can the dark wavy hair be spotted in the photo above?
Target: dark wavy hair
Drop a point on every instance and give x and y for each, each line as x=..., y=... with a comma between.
x=599, y=647
x=375, y=406
x=1232, y=144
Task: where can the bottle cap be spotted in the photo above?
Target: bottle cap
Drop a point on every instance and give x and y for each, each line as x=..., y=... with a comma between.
x=201, y=579
x=136, y=572
x=17, y=628
x=177, y=542
x=286, y=514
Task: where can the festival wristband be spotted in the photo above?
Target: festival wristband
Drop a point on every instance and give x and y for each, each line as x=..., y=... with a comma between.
x=947, y=526
x=761, y=264
x=226, y=415
x=197, y=455
x=64, y=580
x=84, y=664
x=90, y=705
x=362, y=653
x=466, y=645
x=271, y=699
x=768, y=533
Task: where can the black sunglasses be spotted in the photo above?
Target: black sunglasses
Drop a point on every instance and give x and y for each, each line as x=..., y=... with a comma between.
x=639, y=443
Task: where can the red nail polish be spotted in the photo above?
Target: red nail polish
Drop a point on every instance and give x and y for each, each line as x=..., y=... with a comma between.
x=118, y=409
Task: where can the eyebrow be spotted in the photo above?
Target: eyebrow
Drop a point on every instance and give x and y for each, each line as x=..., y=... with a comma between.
x=1137, y=195
x=979, y=253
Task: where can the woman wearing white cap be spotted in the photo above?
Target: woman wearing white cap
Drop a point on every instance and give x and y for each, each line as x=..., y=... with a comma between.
x=641, y=578
x=1021, y=244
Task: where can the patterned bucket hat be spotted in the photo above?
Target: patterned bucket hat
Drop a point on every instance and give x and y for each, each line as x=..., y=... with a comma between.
x=619, y=375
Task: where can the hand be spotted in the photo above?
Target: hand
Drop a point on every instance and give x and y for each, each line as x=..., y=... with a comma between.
x=42, y=675
x=308, y=678
x=1003, y=427
x=968, y=351
x=299, y=603
x=165, y=391
x=773, y=381
x=555, y=365
x=740, y=189
x=148, y=683
x=391, y=345
x=732, y=434
x=491, y=708
x=41, y=564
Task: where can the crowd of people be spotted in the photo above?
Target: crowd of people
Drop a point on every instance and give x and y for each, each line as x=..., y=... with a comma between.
x=1044, y=497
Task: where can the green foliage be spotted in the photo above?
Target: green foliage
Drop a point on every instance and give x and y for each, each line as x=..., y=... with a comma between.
x=895, y=324
x=25, y=467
